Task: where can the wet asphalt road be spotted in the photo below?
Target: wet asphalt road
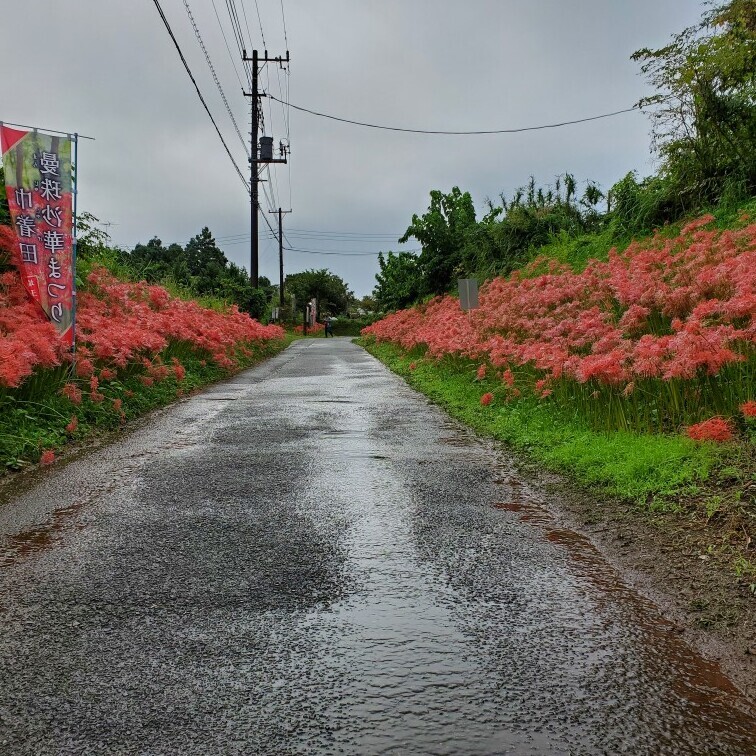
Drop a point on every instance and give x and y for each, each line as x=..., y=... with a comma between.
x=311, y=559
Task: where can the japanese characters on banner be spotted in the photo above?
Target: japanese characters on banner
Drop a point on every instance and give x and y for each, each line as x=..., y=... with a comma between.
x=38, y=182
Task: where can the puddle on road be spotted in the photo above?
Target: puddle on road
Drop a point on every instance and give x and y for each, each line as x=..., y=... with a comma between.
x=699, y=681
x=39, y=538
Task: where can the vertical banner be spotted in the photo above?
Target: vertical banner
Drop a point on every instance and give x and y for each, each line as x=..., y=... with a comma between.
x=38, y=182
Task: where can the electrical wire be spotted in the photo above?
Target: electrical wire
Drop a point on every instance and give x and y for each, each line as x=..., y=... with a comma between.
x=456, y=133
x=239, y=37
x=215, y=75
x=246, y=23
x=283, y=18
x=199, y=94
x=349, y=237
x=259, y=20
x=342, y=254
x=228, y=47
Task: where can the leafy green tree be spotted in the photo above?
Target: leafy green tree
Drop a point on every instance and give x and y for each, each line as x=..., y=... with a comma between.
x=206, y=262
x=441, y=231
x=154, y=262
x=704, y=110
x=332, y=293
x=399, y=282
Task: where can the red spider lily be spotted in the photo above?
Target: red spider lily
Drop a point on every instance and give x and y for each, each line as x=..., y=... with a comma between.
x=748, y=408
x=486, y=399
x=73, y=425
x=677, y=312
x=715, y=429
x=47, y=458
x=119, y=323
x=72, y=392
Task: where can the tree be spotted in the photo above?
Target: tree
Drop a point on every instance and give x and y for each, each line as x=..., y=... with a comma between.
x=399, y=282
x=704, y=111
x=154, y=262
x=441, y=232
x=332, y=293
x=206, y=262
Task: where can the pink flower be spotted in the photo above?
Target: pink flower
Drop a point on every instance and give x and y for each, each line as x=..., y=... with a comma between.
x=73, y=425
x=48, y=457
x=486, y=399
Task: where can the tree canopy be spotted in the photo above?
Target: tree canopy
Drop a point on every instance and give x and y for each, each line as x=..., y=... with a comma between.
x=704, y=109
x=441, y=232
x=399, y=282
x=332, y=293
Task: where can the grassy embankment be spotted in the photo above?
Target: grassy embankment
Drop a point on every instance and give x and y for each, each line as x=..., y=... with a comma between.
x=711, y=483
x=36, y=417
x=139, y=347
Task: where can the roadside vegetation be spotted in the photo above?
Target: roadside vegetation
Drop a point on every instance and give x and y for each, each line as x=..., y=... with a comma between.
x=138, y=347
x=615, y=338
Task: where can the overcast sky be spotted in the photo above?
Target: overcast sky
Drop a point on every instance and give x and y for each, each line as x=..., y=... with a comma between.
x=157, y=168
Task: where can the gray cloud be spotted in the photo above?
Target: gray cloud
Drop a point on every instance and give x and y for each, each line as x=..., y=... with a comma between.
x=158, y=168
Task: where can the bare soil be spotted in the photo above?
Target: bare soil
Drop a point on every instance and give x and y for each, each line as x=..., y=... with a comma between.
x=685, y=561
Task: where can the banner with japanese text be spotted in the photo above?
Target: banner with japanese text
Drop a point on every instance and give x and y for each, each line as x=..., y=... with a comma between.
x=38, y=182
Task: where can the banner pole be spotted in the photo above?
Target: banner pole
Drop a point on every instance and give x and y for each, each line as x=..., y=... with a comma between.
x=73, y=245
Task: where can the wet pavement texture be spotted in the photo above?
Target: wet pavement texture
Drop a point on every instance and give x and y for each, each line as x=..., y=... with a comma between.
x=312, y=559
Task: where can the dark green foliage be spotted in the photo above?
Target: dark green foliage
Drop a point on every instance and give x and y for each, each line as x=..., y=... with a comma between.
x=455, y=245
x=400, y=281
x=153, y=262
x=256, y=303
x=206, y=263
x=200, y=269
x=332, y=293
x=441, y=230
x=704, y=108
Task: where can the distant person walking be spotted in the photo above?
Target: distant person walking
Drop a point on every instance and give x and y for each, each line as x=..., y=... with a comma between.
x=328, y=327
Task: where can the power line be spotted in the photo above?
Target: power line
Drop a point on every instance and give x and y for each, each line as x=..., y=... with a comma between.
x=199, y=94
x=283, y=18
x=215, y=75
x=246, y=23
x=458, y=133
x=389, y=239
x=228, y=47
x=259, y=20
x=304, y=231
x=342, y=254
x=238, y=36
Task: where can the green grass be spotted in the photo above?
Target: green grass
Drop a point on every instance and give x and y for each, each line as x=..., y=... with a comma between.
x=33, y=418
x=650, y=469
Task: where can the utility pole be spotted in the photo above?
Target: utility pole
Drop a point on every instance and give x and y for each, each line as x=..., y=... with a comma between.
x=281, y=214
x=254, y=266
x=258, y=156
